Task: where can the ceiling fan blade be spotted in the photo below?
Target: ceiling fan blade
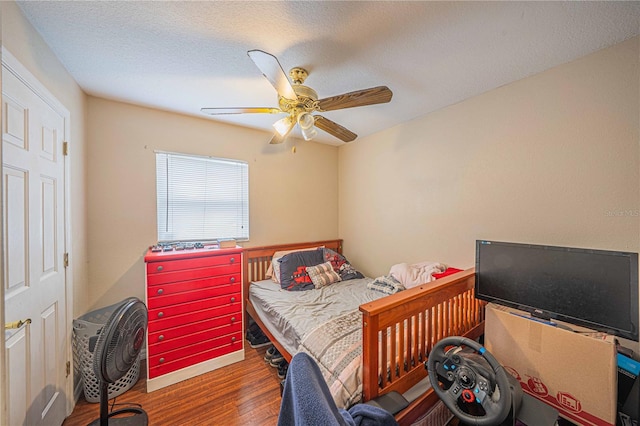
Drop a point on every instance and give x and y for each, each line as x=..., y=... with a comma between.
x=277, y=138
x=248, y=110
x=272, y=71
x=334, y=129
x=374, y=95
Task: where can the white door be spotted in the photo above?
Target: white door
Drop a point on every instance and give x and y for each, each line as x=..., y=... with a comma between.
x=33, y=179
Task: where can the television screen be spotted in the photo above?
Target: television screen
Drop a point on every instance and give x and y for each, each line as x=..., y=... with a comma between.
x=594, y=288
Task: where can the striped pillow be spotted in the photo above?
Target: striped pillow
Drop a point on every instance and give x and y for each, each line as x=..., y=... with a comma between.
x=323, y=274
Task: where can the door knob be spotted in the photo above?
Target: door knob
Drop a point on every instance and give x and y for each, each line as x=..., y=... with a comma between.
x=17, y=324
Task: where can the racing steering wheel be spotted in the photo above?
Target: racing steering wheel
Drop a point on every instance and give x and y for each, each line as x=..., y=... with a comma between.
x=468, y=381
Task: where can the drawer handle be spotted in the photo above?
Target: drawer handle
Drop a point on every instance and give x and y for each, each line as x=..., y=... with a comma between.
x=233, y=339
x=161, y=337
x=233, y=299
x=233, y=279
x=160, y=291
x=159, y=268
x=161, y=360
x=233, y=319
x=160, y=314
x=233, y=259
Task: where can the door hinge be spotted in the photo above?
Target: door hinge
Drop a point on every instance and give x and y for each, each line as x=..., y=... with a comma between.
x=66, y=260
x=68, y=368
x=65, y=148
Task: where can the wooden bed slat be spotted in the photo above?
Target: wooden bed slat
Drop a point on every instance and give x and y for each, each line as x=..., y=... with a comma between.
x=443, y=308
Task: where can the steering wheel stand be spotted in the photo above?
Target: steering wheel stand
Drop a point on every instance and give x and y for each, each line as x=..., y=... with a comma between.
x=476, y=388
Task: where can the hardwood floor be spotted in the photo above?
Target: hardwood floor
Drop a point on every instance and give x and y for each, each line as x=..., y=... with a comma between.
x=244, y=393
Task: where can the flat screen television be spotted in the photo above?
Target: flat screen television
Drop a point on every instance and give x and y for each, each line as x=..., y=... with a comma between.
x=596, y=289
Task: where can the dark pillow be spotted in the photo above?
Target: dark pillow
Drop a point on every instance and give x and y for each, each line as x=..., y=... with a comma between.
x=341, y=265
x=293, y=269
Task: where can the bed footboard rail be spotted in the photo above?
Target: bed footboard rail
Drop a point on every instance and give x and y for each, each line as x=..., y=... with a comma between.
x=400, y=330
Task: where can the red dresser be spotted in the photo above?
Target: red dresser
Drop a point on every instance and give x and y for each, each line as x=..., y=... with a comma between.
x=194, y=299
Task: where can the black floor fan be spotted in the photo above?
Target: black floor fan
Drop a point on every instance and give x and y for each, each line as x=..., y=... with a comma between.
x=117, y=348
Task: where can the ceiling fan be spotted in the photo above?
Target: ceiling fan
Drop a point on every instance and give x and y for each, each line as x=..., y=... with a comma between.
x=299, y=102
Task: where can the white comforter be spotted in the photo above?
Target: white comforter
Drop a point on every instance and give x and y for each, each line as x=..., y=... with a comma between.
x=412, y=275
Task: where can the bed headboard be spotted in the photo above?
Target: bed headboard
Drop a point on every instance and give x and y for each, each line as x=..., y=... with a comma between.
x=256, y=260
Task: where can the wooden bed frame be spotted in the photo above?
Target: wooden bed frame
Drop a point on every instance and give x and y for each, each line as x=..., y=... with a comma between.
x=414, y=319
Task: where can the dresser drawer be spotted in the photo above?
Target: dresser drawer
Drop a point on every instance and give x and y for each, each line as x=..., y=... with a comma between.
x=189, y=296
x=192, y=274
x=166, y=334
x=181, y=286
x=170, y=321
x=186, y=340
x=195, y=263
x=193, y=354
x=185, y=308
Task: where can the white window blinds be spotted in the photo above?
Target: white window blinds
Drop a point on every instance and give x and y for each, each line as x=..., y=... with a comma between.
x=201, y=198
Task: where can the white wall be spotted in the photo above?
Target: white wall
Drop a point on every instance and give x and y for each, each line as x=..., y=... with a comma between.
x=292, y=197
x=550, y=159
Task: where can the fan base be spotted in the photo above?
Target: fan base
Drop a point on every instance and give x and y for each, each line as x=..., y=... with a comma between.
x=298, y=75
x=134, y=417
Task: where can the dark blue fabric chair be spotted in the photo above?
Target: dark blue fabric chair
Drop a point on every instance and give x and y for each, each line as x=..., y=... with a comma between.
x=306, y=400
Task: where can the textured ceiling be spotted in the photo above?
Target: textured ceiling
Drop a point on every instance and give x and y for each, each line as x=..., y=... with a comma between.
x=181, y=56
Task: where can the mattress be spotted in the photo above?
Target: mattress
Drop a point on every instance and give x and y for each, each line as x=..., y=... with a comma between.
x=290, y=315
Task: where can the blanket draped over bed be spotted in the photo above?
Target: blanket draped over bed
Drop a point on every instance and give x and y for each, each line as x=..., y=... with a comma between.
x=336, y=346
x=412, y=275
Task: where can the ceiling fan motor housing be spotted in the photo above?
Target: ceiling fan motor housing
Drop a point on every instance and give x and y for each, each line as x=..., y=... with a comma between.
x=307, y=100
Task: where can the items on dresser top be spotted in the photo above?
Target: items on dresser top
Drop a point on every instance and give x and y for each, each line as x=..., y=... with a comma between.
x=193, y=245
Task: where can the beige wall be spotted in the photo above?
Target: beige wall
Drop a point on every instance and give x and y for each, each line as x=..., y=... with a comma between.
x=551, y=159
x=541, y=160
x=292, y=197
x=19, y=37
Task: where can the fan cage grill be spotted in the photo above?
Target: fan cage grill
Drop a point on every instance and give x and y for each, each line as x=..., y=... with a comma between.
x=85, y=327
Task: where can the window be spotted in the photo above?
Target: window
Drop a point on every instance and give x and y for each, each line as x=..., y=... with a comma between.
x=201, y=198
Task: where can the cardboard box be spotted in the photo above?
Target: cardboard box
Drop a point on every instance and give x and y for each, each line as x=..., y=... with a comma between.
x=574, y=372
x=226, y=243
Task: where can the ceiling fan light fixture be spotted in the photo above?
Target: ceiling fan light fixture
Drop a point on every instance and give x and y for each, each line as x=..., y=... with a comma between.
x=284, y=126
x=305, y=120
x=309, y=133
